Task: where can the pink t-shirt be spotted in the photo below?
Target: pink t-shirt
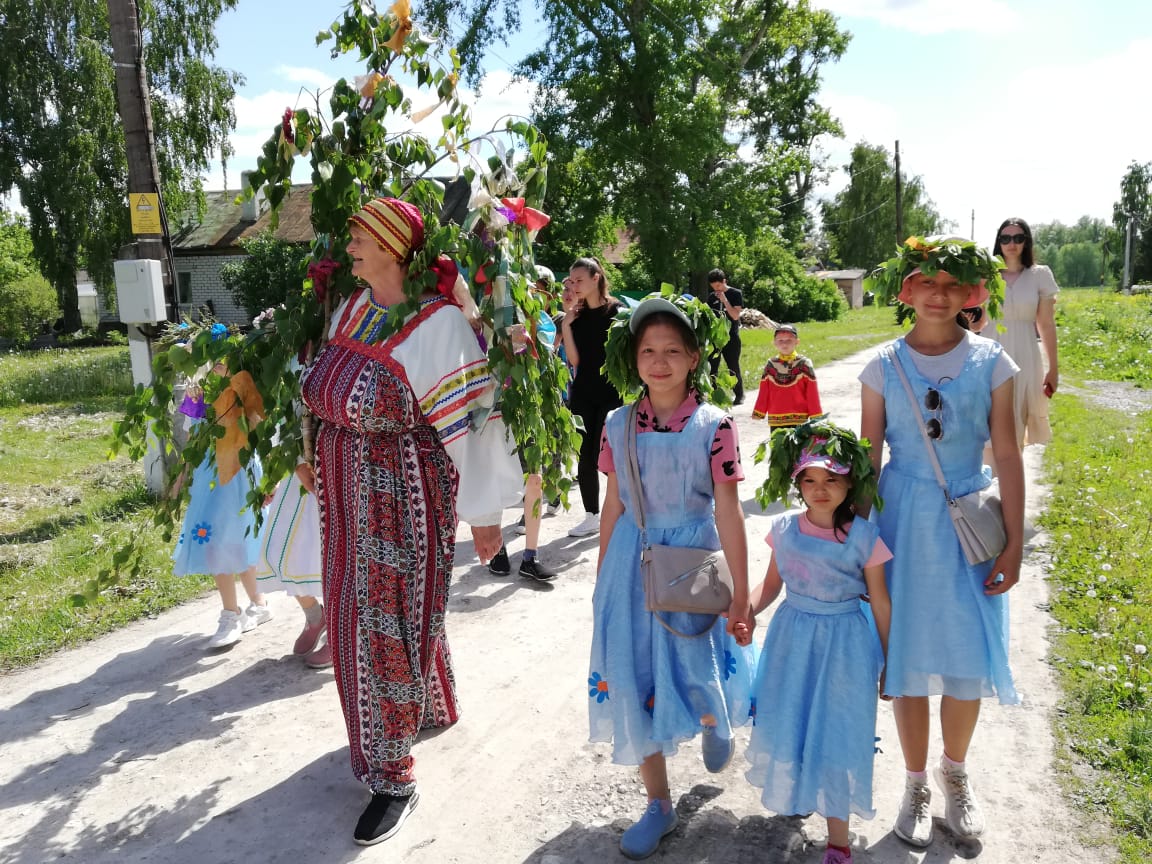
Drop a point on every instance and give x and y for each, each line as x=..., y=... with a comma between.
x=880, y=552
x=726, y=467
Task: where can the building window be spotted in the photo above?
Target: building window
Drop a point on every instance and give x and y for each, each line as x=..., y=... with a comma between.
x=184, y=283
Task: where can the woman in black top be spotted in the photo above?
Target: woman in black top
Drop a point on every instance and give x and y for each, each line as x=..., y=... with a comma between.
x=585, y=330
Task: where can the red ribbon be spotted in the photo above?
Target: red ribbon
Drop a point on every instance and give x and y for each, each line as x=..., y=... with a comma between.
x=529, y=217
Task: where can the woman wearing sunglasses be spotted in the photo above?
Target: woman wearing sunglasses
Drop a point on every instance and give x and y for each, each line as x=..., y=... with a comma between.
x=948, y=632
x=1029, y=308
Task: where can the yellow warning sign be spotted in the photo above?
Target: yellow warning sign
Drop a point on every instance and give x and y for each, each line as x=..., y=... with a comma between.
x=145, y=209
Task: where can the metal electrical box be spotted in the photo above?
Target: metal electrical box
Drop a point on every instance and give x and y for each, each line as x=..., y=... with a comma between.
x=140, y=291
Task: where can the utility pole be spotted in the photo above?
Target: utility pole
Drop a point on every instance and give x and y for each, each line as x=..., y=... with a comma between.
x=1125, y=285
x=899, y=201
x=972, y=229
x=132, y=102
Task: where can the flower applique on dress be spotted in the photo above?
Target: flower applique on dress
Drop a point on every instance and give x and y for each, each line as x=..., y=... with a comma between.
x=597, y=687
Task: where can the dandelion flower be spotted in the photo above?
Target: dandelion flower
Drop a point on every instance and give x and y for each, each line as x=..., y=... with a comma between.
x=1091, y=592
x=1106, y=567
x=1140, y=649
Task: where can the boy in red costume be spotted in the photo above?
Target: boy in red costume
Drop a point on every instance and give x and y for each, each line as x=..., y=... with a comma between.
x=788, y=394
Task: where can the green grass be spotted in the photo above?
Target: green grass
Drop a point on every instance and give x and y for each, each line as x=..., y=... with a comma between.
x=820, y=341
x=1104, y=335
x=63, y=375
x=1099, y=466
x=65, y=509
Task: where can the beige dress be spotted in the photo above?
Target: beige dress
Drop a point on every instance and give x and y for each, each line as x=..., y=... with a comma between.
x=1018, y=318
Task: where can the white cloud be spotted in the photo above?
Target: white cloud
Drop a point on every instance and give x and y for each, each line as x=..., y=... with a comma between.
x=929, y=16
x=311, y=78
x=1059, y=155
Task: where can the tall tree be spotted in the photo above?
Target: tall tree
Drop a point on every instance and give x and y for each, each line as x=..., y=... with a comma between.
x=860, y=222
x=61, y=143
x=696, y=118
x=1135, y=205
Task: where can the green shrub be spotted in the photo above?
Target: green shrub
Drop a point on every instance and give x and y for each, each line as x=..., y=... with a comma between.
x=271, y=273
x=27, y=306
x=805, y=299
x=779, y=286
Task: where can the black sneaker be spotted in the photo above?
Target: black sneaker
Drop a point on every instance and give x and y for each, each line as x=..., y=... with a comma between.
x=519, y=527
x=383, y=817
x=535, y=570
x=500, y=565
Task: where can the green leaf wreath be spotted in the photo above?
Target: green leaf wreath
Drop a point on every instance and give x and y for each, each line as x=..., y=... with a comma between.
x=965, y=259
x=819, y=435
x=712, y=334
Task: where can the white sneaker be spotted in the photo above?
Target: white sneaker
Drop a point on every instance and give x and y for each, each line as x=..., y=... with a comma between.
x=590, y=526
x=230, y=630
x=961, y=809
x=914, y=822
x=553, y=509
x=256, y=616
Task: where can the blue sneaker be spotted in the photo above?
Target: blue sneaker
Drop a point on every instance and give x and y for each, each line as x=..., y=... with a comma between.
x=717, y=751
x=643, y=838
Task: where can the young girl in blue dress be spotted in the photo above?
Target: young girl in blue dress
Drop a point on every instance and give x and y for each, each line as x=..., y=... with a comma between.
x=219, y=537
x=649, y=689
x=949, y=630
x=816, y=686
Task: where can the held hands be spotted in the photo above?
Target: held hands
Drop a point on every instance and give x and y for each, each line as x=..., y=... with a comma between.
x=741, y=621
x=1005, y=571
x=487, y=541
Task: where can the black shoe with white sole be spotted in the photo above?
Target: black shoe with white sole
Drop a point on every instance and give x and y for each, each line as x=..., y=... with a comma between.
x=383, y=817
x=535, y=570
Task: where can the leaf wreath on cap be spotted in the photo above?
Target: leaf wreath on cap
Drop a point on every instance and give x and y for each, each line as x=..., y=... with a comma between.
x=821, y=436
x=964, y=259
x=711, y=335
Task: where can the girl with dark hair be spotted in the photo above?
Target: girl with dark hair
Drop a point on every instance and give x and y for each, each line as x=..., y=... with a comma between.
x=1029, y=308
x=816, y=688
x=585, y=331
x=650, y=689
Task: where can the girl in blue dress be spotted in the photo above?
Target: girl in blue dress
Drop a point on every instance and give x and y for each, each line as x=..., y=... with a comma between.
x=219, y=537
x=949, y=631
x=650, y=689
x=816, y=687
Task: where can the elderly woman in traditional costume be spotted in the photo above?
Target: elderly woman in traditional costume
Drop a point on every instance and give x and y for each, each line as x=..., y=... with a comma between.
x=407, y=445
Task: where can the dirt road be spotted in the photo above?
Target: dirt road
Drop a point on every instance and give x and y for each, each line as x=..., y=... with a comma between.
x=142, y=746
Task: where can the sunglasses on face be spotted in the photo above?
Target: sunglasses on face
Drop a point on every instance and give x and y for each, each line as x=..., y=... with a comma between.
x=1014, y=239
x=934, y=402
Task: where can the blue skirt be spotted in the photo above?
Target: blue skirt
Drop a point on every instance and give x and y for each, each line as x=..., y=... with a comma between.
x=648, y=688
x=219, y=533
x=947, y=636
x=812, y=748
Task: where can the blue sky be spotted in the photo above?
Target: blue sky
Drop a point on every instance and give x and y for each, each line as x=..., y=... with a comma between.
x=1031, y=108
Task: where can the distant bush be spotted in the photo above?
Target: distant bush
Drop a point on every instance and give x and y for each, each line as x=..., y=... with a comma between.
x=27, y=307
x=803, y=298
x=775, y=282
x=271, y=273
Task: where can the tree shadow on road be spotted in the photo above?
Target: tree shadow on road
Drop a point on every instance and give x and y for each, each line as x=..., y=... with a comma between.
x=309, y=816
x=169, y=712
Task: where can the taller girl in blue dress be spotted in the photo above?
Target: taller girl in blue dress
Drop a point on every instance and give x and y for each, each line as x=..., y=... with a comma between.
x=949, y=629
x=650, y=689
